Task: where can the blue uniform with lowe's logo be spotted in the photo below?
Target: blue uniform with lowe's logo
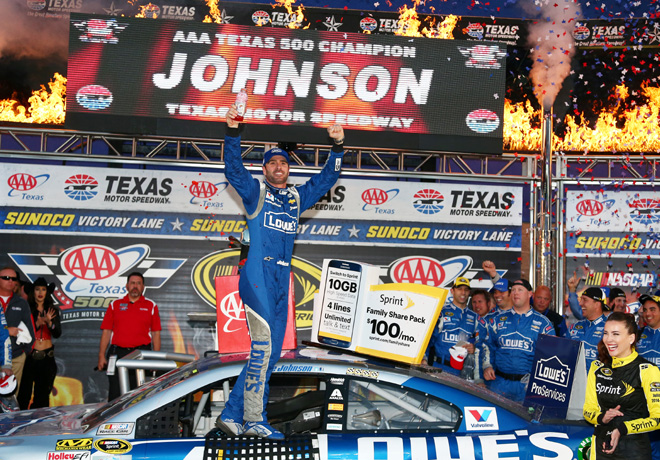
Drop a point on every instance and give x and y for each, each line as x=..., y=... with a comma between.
x=589, y=333
x=512, y=337
x=272, y=218
x=454, y=325
x=487, y=350
x=648, y=346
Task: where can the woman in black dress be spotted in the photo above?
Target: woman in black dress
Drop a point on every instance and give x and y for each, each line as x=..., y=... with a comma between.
x=40, y=367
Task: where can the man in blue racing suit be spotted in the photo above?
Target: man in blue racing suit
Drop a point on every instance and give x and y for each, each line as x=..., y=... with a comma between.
x=512, y=335
x=649, y=343
x=272, y=213
x=456, y=324
x=589, y=330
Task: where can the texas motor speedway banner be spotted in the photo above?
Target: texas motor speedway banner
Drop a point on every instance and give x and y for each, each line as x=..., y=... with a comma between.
x=86, y=228
x=613, y=235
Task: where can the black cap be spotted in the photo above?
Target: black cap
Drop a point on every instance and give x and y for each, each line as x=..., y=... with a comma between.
x=616, y=292
x=597, y=294
x=524, y=283
x=652, y=298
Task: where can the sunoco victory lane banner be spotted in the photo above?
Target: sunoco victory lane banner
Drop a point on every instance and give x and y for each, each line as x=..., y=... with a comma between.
x=419, y=93
x=612, y=238
x=85, y=228
x=203, y=204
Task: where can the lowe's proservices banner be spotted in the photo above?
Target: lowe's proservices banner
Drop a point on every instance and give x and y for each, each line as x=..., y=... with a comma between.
x=86, y=228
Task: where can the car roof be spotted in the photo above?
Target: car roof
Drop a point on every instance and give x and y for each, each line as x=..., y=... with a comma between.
x=331, y=361
x=320, y=358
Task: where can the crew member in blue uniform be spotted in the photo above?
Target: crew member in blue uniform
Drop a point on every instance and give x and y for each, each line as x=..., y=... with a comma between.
x=272, y=213
x=501, y=286
x=589, y=331
x=648, y=345
x=502, y=294
x=479, y=303
x=512, y=336
x=457, y=323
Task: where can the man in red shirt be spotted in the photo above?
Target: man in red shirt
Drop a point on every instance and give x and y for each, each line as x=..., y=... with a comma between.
x=130, y=323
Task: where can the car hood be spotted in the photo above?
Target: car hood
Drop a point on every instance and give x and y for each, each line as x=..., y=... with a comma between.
x=46, y=421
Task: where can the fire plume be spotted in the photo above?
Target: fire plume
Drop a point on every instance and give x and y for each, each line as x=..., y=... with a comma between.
x=616, y=129
x=149, y=10
x=45, y=106
x=214, y=12
x=300, y=16
x=410, y=24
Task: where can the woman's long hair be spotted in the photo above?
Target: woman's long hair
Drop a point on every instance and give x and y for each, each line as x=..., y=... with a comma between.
x=48, y=302
x=628, y=319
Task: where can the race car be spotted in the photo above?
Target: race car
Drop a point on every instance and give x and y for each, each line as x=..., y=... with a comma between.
x=330, y=405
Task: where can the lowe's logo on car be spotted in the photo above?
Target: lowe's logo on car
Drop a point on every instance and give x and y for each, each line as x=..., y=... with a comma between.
x=481, y=418
x=280, y=222
x=552, y=370
x=547, y=445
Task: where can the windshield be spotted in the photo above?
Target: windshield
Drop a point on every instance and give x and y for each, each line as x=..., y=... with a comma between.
x=150, y=388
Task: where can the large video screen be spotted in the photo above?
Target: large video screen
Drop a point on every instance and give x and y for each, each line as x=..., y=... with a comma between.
x=170, y=77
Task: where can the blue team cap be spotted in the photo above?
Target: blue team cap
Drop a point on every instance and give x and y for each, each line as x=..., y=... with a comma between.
x=275, y=152
x=502, y=285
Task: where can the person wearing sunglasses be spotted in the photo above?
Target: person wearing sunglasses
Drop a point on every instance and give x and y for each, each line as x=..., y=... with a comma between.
x=19, y=321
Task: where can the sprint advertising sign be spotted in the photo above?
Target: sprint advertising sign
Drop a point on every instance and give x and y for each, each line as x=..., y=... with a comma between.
x=355, y=312
x=398, y=319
